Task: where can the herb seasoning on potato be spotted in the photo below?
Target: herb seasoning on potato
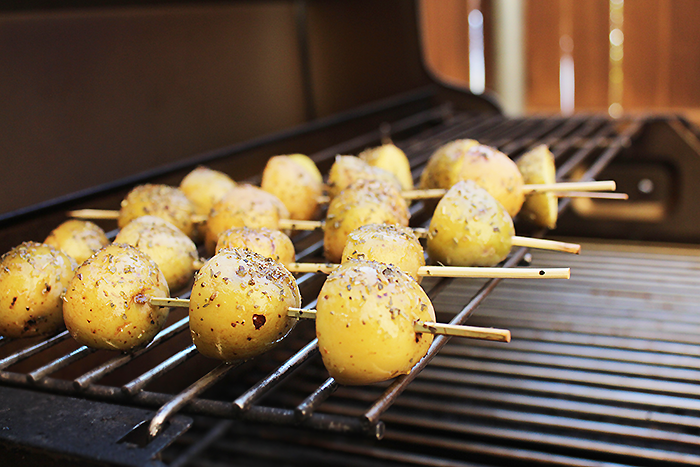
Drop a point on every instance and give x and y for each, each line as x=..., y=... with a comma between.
x=33, y=276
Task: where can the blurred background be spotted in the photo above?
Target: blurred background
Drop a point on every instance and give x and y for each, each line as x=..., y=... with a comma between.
x=565, y=55
x=94, y=91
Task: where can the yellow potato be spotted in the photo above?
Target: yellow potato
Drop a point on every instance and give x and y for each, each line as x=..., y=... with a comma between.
x=469, y=228
x=239, y=303
x=162, y=201
x=296, y=181
x=364, y=322
x=537, y=167
x=386, y=243
x=33, y=276
x=348, y=169
x=439, y=171
x=174, y=252
x=107, y=302
x=243, y=206
x=489, y=168
x=392, y=159
x=205, y=187
x=268, y=243
x=364, y=202
x=78, y=239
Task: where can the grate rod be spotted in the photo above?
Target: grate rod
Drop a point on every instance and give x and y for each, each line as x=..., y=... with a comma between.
x=32, y=350
x=185, y=397
x=142, y=380
x=117, y=362
x=311, y=403
x=59, y=363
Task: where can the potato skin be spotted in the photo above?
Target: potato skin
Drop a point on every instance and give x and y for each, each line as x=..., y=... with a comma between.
x=537, y=167
x=364, y=322
x=205, y=187
x=364, y=202
x=78, y=239
x=106, y=304
x=443, y=166
x=268, y=243
x=488, y=167
x=392, y=159
x=386, y=243
x=348, y=169
x=174, y=252
x=469, y=228
x=239, y=302
x=162, y=201
x=296, y=181
x=243, y=206
x=33, y=276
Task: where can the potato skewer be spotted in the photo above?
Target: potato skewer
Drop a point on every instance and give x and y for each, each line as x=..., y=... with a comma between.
x=429, y=327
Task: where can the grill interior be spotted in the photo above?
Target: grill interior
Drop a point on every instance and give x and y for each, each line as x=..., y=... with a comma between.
x=601, y=367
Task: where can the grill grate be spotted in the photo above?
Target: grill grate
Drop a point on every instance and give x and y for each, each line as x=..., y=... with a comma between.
x=590, y=142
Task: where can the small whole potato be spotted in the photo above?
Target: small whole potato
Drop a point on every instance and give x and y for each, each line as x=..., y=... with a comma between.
x=297, y=182
x=107, y=302
x=239, y=303
x=364, y=322
x=33, y=276
x=205, y=187
x=162, y=201
x=364, y=202
x=386, y=243
x=538, y=168
x=440, y=171
x=268, y=243
x=488, y=167
x=174, y=252
x=78, y=239
x=392, y=159
x=243, y=206
x=348, y=169
x=469, y=228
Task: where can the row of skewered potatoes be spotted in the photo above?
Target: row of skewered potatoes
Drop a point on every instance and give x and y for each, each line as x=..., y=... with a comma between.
x=240, y=298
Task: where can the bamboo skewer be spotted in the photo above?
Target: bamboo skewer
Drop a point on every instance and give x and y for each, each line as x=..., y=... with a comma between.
x=455, y=271
x=561, y=190
x=472, y=332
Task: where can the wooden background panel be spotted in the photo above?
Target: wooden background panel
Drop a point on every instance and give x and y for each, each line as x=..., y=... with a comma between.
x=591, y=53
x=685, y=54
x=542, y=54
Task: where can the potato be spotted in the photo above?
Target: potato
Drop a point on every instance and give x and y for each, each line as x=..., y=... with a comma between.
x=488, y=167
x=439, y=171
x=364, y=322
x=239, y=303
x=391, y=159
x=162, y=201
x=364, y=202
x=268, y=243
x=205, y=187
x=78, y=239
x=33, y=276
x=107, y=302
x=537, y=167
x=243, y=206
x=386, y=243
x=296, y=181
x=469, y=228
x=173, y=251
x=348, y=169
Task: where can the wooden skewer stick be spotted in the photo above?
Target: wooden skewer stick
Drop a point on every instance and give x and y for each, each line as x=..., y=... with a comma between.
x=560, y=188
x=539, y=243
x=591, y=194
x=472, y=332
x=456, y=271
x=94, y=214
x=543, y=244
